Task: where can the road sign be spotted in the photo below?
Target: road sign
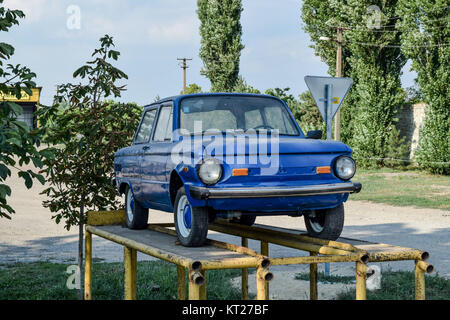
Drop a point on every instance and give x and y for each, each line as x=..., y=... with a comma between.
x=328, y=92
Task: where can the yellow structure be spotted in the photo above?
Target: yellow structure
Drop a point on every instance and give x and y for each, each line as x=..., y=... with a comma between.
x=159, y=240
x=28, y=103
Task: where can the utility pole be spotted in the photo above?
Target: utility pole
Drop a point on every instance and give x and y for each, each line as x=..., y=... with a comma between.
x=184, y=66
x=337, y=121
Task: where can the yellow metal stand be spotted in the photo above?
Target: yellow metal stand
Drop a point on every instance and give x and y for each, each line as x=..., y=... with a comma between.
x=158, y=241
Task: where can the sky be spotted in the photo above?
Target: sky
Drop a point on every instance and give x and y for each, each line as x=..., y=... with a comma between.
x=58, y=36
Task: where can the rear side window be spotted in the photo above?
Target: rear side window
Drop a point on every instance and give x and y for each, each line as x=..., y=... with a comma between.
x=163, y=130
x=145, y=130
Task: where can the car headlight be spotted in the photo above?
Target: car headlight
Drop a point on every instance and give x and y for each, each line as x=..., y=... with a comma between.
x=210, y=171
x=345, y=167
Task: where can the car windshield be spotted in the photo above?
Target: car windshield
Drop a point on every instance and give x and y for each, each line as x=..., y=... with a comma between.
x=235, y=113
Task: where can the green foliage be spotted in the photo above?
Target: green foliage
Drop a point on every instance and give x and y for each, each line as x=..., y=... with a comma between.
x=369, y=111
x=221, y=44
x=304, y=110
x=85, y=136
x=397, y=150
x=18, y=143
x=425, y=39
x=192, y=88
x=242, y=87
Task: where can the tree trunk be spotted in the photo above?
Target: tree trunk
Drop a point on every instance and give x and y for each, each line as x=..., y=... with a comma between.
x=80, y=252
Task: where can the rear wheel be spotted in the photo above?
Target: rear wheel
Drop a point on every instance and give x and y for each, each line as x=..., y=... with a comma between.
x=325, y=224
x=191, y=223
x=137, y=216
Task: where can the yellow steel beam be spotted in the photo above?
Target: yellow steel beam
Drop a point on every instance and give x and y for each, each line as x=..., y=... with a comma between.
x=315, y=259
x=265, y=252
x=195, y=281
x=181, y=272
x=421, y=268
x=105, y=218
x=361, y=275
x=130, y=275
x=203, y=286
x=280, y=240
x=313, y=279
x=244, y=282
x=263, y=275
x=88, y=267
x=155, y=252
x=300, y=237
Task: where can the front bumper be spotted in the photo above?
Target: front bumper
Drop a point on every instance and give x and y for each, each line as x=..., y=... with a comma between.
x=204, y=193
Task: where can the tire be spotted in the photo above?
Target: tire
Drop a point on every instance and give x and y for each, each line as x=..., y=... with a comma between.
x=245, y=219
x=325, y=224
x=137, y=216
x=191, y=223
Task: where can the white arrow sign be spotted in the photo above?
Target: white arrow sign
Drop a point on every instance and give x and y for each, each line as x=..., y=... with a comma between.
x=328, y=92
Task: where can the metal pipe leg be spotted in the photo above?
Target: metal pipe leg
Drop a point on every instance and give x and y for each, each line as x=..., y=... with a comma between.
x=181, y=271
x=263, y=276
x=130, y=274
x=195, y=282
x=134, y=273
x=203, y=286
x=313, y=279
x=244, y=281
x=421, y=268
x=88, y=267
x=361, y=275
x=265, y=252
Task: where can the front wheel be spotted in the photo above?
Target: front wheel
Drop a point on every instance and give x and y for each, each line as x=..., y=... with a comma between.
x=325, y=224
x=191, y=223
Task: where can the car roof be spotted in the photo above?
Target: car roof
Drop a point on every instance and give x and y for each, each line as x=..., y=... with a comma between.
x=179, y=97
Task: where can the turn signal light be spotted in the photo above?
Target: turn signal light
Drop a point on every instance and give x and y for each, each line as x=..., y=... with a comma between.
x=321, y=170
x=240, y=172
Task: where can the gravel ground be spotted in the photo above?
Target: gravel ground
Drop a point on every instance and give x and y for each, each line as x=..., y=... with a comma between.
x=33, y=236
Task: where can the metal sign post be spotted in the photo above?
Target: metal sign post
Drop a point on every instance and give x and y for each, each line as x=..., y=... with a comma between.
x=328, y=92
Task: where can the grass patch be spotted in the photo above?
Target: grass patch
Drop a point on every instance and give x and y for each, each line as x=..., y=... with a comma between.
x=323, y=278
x=404, y=188
x=399, y=285
x=157, y=280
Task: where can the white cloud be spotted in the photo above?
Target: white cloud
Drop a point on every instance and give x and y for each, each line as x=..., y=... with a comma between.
x=34, y=9
x=184, y=31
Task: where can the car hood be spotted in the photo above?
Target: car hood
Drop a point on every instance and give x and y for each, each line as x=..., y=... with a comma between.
x=214, y=146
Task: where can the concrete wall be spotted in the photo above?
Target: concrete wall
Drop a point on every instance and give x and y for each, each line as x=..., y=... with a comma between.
x=411, y=120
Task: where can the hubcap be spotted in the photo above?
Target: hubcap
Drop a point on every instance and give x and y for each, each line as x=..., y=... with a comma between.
x=184, y=216
x=130, y=205
x=317, y=221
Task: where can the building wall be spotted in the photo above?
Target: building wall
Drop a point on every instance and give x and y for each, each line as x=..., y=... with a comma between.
x=411, y=119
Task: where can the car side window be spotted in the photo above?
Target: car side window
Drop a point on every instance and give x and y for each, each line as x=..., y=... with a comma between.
x=145, y=130
x=163, y=130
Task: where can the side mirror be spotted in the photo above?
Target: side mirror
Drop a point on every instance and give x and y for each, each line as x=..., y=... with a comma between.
x=316, y=134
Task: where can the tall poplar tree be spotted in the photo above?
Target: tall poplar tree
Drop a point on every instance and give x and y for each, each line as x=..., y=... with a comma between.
x=221, y=45
x=426, y=41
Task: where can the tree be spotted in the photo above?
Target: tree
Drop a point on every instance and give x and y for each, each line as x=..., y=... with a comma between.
x=85, y=135
x=373, y=59
x=192, y=88
x=18, y=143
x=241, y=86
x=425, y=41
x=221, y=45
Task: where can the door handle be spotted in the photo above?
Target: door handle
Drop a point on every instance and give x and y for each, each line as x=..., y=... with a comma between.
x=145, y=148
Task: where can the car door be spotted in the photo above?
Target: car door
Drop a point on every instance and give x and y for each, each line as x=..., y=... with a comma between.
x=155, y=175
x=141, y=145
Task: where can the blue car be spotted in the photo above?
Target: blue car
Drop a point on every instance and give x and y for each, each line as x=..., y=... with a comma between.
x=232, y=156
